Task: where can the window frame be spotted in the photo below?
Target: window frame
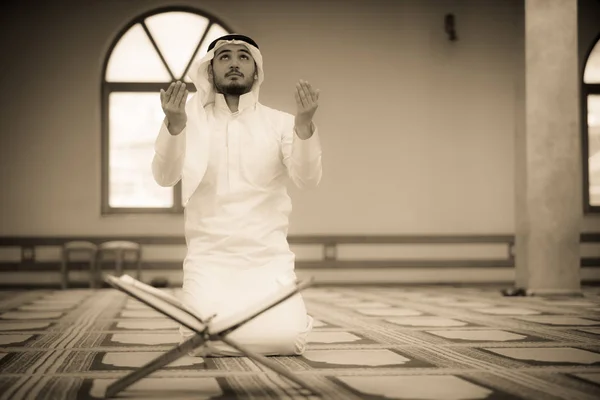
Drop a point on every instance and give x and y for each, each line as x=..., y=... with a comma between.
x=106, y=88
x=587, y=89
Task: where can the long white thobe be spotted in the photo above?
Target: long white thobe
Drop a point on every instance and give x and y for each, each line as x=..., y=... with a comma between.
x=236, y=222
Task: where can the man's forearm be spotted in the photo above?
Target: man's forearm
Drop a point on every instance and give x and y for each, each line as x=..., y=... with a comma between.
x=305, y=161
x=169, y=149
x=174, y=129
x=304, y=130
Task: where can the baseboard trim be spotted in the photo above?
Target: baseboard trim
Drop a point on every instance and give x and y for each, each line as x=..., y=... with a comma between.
x=40, y=266
x=322, y=276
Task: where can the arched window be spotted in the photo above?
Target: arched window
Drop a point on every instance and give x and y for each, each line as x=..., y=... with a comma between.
x=152, y=51
x=591, y=129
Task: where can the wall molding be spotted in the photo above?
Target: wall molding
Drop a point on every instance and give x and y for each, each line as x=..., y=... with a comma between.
x=32, y=270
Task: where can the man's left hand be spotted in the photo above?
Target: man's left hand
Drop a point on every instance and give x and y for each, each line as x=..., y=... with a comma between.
x=307, y=101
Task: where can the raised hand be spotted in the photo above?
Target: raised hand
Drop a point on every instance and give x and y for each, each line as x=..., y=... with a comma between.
x=173, y=104
x=307, y=101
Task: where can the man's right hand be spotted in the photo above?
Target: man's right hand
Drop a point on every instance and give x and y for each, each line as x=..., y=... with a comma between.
x=173, y=104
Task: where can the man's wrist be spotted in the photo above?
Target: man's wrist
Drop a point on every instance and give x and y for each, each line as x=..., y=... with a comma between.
x=304, y=129
x=175, y=130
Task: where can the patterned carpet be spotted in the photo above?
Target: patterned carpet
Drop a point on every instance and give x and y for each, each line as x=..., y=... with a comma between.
x=369, y=343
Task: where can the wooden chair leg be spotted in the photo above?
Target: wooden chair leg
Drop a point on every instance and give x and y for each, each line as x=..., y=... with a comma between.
x=93, y=273
x=139, y=265
x=63, y=269
x=98, y=267
x=119, y=262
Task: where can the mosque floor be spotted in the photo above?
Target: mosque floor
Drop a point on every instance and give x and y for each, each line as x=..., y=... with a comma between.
x=368, y=343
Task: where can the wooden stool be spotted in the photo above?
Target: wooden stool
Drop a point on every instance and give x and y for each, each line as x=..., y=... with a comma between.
x=78, y=246
x=120, y=249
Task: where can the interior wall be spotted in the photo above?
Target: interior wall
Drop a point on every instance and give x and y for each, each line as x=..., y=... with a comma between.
x=417, y=131
x=589, y=33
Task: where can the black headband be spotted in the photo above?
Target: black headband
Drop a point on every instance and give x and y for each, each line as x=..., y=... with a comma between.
x=233, y=37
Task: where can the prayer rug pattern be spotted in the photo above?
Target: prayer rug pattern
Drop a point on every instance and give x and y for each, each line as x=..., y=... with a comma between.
x=438, y=343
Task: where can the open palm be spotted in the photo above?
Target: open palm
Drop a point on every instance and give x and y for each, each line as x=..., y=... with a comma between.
x=307, y=101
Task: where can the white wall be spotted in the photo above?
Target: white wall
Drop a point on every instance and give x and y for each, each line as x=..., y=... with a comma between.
x=417, y=132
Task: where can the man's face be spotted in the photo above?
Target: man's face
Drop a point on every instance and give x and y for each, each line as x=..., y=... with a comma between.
x=232, y=70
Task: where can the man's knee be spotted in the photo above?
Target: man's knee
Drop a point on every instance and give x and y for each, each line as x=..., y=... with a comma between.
x=266, y=342
x=286, y=344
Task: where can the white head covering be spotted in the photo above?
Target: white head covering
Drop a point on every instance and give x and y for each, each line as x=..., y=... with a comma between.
x=199, y=68
x=197, y=138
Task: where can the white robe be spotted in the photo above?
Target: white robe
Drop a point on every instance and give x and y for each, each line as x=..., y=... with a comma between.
x=236, y=221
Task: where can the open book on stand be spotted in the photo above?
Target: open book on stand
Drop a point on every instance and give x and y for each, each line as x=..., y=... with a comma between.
x=205, y=330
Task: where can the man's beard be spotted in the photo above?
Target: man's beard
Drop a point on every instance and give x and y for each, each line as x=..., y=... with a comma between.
x=234, y=88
